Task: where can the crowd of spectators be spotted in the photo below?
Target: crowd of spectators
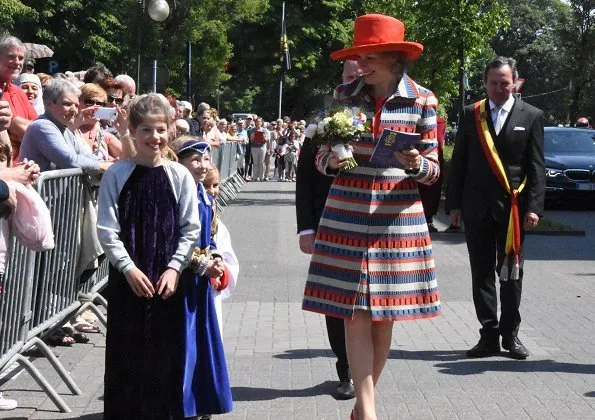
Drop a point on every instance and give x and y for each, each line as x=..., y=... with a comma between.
x=59, y=121
x=263, y=146
x=80, y=120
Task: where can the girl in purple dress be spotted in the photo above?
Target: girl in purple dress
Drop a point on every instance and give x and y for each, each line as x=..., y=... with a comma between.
x=147, y=224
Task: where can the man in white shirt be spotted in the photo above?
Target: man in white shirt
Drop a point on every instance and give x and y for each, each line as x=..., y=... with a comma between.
x=496, y=186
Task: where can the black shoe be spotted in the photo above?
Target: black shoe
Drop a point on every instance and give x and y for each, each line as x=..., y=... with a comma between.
x=485, y=348
x=345, y=390
x=515, y=348
x=431, y=227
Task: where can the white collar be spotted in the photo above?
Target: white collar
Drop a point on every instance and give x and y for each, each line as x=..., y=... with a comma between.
x=507, y=106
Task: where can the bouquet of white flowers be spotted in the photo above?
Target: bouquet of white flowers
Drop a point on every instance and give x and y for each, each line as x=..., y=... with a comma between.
x=337, y=128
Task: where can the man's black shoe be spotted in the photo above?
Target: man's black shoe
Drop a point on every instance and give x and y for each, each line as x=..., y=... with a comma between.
x=432, y=228
x=345, y=390
x=485, y=348
x=515, y=348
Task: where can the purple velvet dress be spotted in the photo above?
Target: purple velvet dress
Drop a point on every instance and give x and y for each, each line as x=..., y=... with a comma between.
x=145, y=337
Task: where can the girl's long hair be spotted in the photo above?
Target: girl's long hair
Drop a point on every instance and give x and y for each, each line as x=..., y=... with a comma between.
x=153, y=105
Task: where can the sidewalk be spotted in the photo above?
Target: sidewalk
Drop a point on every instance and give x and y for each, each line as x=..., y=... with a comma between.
x=282, y=368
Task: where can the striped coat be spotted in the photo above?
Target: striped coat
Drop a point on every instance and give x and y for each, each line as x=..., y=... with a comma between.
x=372, y=248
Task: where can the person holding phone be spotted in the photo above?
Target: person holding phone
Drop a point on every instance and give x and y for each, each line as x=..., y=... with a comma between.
x=100, y=142
x=49, y=141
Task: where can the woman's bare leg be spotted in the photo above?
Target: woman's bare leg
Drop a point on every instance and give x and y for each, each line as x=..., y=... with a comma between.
x=382, y=333
x=360, y=354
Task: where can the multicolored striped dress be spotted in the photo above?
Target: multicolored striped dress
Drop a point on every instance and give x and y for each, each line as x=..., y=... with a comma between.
x=373, y=250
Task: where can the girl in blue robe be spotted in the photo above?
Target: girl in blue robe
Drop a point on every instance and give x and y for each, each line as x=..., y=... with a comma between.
x=206, y=388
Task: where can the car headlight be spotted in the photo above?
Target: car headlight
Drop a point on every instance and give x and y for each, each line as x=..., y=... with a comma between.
x=550, y=172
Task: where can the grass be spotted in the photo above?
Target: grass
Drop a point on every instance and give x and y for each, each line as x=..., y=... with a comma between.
x=447, y=153
x=547, y=225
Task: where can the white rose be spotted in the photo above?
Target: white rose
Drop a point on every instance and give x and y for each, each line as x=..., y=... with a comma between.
x=311, y=131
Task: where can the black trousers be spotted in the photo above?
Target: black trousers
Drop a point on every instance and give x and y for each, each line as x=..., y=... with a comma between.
x=486, y=241
x=335, y=327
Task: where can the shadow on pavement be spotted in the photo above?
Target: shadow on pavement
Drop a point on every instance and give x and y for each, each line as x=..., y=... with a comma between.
x=433, y=355
x=304, y=354
x=263, y=202
x=283, y=192
x=245, y=393
x=474, y=367
x=447, y=238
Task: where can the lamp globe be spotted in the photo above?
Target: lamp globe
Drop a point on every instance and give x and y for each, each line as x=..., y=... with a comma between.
x=158, y=10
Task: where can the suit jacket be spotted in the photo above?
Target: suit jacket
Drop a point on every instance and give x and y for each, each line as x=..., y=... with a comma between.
x=472, y=185
x=311, y=189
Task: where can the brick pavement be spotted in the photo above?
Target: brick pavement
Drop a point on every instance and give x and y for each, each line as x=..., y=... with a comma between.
x=281, y=366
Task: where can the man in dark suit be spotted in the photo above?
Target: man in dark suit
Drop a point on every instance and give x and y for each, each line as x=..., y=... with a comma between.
x=496, y=186
x=310, y=197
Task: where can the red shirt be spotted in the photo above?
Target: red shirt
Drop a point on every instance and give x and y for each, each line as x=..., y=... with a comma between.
x=20, y=107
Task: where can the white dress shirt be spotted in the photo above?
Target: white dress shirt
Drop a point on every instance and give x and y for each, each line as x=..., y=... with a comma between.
x=500, y=113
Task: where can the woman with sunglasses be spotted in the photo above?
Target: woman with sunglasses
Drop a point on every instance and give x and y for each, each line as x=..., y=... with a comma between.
x=99, y=142
x=114, y=99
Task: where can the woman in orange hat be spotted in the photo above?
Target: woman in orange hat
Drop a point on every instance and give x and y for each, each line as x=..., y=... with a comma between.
x=372, y=262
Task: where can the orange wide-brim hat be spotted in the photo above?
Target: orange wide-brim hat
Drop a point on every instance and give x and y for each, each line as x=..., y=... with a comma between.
x=378, y=33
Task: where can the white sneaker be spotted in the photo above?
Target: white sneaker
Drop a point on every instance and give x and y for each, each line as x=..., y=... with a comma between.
x=6, y=404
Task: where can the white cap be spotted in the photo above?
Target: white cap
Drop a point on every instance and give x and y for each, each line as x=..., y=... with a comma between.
x=187, y=105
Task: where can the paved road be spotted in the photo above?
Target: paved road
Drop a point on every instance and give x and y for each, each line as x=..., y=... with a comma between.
x=279, y=358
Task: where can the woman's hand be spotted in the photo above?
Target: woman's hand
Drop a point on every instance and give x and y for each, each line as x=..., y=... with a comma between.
x=104, y=165
x=335, y=163
x=410, y=159
x=85, y=116
x=139, y=283
x=121, y=123
x=26, y=172
x=168, y=282
x=33, y=169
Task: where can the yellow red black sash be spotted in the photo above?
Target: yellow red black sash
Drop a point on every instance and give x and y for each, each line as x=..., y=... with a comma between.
x=513, y=235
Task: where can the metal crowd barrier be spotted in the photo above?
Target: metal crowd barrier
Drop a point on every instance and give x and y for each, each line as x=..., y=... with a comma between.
x=40, y=290
x=226, y=159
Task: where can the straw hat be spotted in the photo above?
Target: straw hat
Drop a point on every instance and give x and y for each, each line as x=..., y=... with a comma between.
x=378, y=33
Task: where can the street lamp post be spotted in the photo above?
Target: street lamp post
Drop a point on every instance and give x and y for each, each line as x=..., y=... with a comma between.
x=158, y=11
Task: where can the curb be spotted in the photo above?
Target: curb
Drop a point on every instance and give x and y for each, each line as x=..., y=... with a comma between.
x=557, y=233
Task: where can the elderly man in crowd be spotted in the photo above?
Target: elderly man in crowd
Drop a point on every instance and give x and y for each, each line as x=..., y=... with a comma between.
x=50, y=140
x=194, y=127
x=12, y=57
x=128, y=85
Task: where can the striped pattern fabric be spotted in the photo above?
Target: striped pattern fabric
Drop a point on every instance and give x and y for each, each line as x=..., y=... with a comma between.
x=373, y=250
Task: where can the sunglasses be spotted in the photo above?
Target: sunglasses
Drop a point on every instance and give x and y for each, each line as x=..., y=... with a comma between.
x=90, y=102
x=111, y=99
